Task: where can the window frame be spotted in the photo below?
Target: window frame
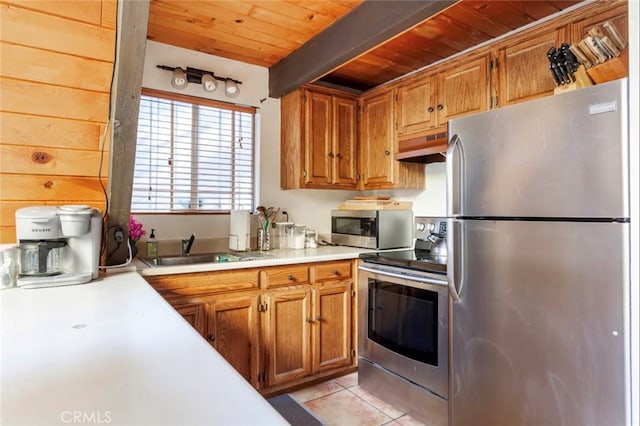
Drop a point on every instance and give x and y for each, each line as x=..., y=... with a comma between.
x=170, y=96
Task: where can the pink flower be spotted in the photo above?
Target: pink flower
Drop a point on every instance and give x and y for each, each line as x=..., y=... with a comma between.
x=135, y=229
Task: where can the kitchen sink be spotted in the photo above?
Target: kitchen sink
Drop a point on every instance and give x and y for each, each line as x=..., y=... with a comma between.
x=194, y=259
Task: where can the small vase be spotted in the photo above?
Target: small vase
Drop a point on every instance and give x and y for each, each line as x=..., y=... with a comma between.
x=134, y=248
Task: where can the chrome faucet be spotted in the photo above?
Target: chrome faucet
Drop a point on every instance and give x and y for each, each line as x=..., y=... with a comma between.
x=186, y=245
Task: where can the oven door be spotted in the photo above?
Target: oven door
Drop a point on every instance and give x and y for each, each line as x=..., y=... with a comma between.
x=403, y=324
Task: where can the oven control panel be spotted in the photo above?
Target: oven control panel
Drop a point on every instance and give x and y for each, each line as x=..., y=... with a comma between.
x=424, y=226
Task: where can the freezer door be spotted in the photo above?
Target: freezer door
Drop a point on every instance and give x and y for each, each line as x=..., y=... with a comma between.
x=538, y=334
x=560, y=156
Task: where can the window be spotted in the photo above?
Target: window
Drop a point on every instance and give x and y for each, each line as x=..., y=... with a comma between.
x=193, y=155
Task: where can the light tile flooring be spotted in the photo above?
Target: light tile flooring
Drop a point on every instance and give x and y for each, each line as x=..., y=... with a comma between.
x=341, y=402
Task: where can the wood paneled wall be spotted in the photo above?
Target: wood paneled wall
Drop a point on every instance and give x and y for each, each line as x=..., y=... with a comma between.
x=56, y=67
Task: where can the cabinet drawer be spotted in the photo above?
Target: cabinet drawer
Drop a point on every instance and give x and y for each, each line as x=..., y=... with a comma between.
x=333, y=271
x=280, y=277
x=203, y=283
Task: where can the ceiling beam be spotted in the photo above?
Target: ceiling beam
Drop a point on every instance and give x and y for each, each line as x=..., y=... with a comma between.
x=365, y=27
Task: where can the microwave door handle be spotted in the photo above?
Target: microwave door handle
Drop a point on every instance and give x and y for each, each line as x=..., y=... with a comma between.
x=455, y=170
x=455, y=259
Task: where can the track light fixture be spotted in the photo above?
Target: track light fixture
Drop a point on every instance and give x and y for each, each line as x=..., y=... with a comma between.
x=231, y=88
x=181, y=78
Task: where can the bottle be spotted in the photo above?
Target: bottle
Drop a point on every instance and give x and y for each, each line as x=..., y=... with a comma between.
x=152, y=245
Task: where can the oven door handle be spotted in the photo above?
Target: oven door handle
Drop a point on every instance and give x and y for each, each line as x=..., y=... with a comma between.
x=403, y=276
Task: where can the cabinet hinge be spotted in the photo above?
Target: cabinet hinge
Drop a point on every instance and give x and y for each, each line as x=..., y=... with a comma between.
x=353, y=353
x=396, y=97
x=304, y=98
x=495, y=102
x=493, y=63
x=353, y=293
x=304, y=173
x=262, y=307
x=358, y=176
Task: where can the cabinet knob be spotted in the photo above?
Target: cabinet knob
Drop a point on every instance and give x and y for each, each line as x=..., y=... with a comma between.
x=319, y=318
x=440, y=107
x=309, y=320
x=212, y=337
x=338, y=155
x=386, y=152
x=336, y=272
x=290, y=277
x=430, y=109
x=331, y=155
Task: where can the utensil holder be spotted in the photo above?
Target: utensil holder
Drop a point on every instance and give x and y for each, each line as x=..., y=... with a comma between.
x=264, y=239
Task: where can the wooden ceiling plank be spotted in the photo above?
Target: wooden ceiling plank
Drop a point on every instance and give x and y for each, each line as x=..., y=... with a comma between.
x=226, y=11
x=331, y=9
x=478, y=21
x=198, y=34
x=211, y=46
x=536, y=9
x=500, y=12
x=368, y=25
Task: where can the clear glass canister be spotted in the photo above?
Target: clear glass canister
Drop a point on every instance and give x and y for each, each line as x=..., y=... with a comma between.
x=311, y=238
x=297, y=237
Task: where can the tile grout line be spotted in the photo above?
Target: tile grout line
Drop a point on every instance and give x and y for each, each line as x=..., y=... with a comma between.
x=376, y=408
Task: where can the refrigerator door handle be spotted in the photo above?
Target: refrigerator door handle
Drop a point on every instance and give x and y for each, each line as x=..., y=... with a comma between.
x=455, y=260
x=455, y=167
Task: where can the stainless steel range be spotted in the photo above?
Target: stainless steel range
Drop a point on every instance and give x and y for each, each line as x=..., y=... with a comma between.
x=403, y=316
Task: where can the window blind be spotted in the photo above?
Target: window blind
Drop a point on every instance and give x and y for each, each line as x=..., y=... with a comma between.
x=192, y=157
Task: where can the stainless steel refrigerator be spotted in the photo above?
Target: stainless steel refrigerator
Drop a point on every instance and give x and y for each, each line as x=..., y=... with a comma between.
x=538, y=267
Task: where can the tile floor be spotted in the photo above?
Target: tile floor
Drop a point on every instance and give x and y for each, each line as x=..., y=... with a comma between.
x=341, y=402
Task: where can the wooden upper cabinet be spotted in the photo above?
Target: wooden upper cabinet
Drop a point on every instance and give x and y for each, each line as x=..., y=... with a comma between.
x=318, y=139
x=233, y=331
x=377, y=141
x=523, y=68
x=345, y=140
x=415, y=106
x=463, y=90
x=616, y=12
x=318, y=144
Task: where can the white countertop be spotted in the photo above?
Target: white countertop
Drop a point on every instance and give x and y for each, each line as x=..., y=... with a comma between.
x=282, y=257
x=114, y=352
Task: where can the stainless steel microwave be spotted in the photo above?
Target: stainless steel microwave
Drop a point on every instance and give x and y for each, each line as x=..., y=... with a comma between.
x=373, y=229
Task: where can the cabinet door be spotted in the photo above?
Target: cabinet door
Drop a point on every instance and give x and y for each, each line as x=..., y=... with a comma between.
x=194, y=313
x=331, y=331
x=618, y=17
x=415, y=106
x=344, y=142
x=523, y=68
x=318, y=149
x=287, y=335
x=377, y=143
x=233, y=331
x=463, y=90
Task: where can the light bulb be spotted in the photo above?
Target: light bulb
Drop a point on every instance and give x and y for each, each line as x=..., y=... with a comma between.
x=231, y=89
x=179, y=79
x=209, y=84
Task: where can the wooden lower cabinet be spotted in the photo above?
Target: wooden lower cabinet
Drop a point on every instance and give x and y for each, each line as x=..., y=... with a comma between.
x=195, y=315
x=307, y=331
x=233, y=331
x=287, y=331
x=279, y=335
x=331, y=326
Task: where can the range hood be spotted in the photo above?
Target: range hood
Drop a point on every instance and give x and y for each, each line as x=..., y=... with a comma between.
x=429, y=148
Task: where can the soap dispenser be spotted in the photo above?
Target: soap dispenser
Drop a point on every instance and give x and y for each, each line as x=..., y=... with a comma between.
x=152, y=245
